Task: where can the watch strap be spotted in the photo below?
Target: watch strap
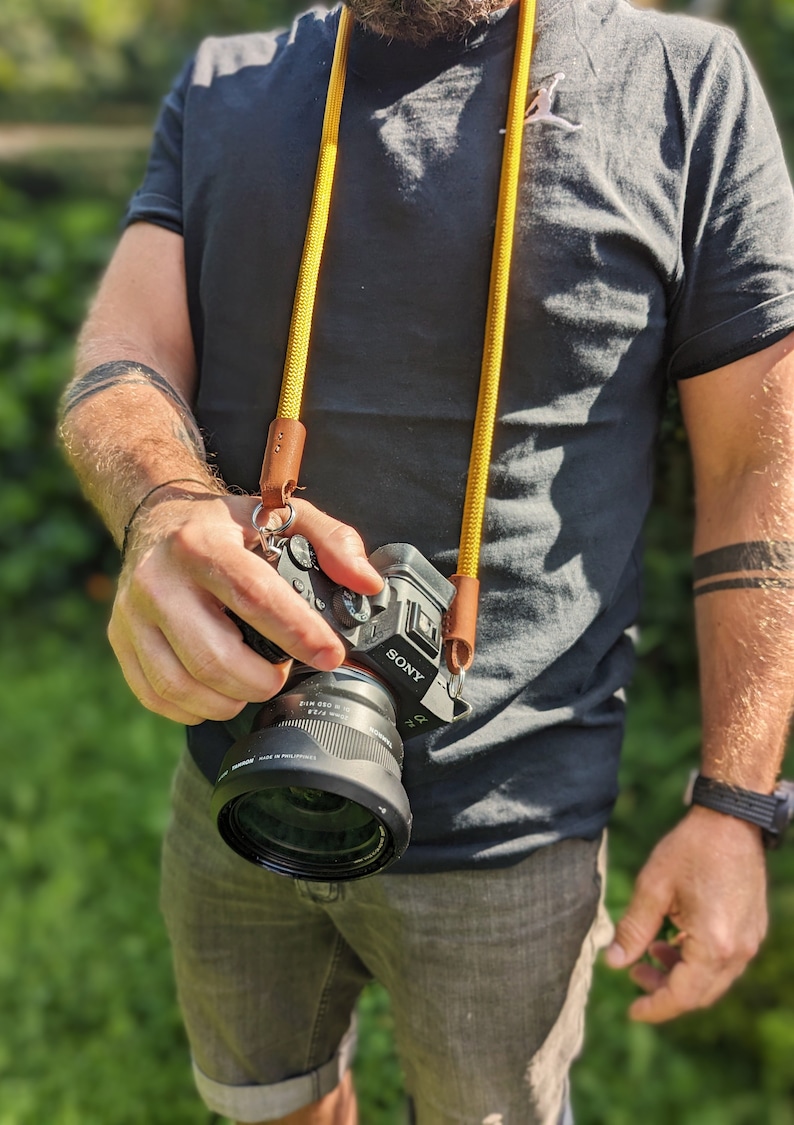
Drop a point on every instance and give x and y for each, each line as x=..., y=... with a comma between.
x=771, y=813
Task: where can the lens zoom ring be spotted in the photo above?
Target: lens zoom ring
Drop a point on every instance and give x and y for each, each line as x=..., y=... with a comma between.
x=345, y=742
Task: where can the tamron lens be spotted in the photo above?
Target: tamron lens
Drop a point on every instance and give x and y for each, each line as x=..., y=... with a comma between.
x=314, y=789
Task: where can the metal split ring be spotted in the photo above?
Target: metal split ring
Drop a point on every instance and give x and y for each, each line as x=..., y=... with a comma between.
x=455, y=685
x=269, y=537
x=455, y=689
x=290, y=520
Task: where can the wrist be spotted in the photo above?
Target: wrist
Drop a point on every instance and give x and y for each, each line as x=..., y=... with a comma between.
x=767, y=814
x=723, y=824
x=180, y=491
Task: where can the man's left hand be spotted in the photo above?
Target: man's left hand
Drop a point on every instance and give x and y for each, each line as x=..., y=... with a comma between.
x=708, y=877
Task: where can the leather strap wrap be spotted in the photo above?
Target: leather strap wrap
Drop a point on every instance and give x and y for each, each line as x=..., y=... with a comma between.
x=459, y=625
x=286, y=438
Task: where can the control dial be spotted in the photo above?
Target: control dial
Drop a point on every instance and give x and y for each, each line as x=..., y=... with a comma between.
x=349, y=608
x=302, y=553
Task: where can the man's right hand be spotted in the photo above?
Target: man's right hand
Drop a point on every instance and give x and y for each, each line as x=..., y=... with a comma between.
x=179, y=652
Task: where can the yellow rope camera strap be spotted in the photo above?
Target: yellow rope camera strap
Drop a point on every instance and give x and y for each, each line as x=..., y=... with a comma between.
x=287, y=435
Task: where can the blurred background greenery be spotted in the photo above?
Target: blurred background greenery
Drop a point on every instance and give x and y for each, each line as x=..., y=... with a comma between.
x=89, y=1032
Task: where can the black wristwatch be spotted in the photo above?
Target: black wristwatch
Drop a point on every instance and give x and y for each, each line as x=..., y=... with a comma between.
x=772, y=813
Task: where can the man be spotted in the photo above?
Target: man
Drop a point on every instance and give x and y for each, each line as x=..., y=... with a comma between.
x=653, y=241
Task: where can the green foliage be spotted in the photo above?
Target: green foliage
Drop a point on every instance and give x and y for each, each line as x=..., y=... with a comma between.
x=53, y=244
x=87, y=998
x=766, y=28
x=378, y=1079
x=108, y=58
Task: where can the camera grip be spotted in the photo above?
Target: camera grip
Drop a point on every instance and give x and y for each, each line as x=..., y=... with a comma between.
x=261, y=645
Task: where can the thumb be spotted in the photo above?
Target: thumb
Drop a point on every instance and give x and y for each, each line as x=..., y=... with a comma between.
x=637, y=928
x=340, y=550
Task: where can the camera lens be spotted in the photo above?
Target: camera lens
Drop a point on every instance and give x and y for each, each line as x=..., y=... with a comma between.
x=314, y=790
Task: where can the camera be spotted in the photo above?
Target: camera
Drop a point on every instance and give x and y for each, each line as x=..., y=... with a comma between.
x=313, y=789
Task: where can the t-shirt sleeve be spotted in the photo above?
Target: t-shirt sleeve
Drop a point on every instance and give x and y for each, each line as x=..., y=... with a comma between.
x=736, y=293
x=159, y=198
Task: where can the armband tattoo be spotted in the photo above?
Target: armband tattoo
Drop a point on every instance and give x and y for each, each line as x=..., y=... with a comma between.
x=127, y=372
x=758, y=564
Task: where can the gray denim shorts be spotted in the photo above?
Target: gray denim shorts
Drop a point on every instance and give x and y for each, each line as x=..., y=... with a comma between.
x=488, y=973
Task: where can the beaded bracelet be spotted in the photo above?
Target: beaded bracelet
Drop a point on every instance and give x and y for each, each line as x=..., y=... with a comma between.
x=166, y=483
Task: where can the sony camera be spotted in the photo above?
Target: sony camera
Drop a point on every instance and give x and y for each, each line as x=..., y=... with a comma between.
x=313, y=789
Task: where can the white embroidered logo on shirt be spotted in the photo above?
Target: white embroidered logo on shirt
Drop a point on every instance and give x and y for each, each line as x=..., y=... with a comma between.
x=539, y=109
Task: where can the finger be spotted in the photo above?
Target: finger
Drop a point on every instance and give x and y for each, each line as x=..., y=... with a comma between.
x=652, y=977
x=686, y=988
x=170, y=681
x=659, y=1007
x=140, y=687
x=339, y=548
x=163, y=684
x=258, y=594
x=241, y=509
x=211, y=648
x=639, y=925
x=667, y=954
x=206, y=643
x=648, y=977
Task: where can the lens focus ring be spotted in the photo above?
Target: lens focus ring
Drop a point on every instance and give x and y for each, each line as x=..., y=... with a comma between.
x=343, y=742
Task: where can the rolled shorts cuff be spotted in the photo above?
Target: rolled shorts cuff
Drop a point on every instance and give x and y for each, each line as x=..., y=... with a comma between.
x=262, y=1103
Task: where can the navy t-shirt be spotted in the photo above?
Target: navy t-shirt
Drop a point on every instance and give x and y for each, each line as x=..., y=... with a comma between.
x=654, y=241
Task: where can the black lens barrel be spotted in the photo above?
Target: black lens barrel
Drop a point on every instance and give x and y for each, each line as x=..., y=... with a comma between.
x=314, y=790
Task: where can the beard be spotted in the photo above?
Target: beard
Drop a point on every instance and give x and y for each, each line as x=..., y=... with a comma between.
x=421, y=21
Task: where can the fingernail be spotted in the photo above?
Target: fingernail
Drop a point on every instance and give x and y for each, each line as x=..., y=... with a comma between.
x=326, y=659
x=364, y=566
x=615, y=956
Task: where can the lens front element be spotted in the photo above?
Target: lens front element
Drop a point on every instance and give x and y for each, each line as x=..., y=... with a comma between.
x=289, y=823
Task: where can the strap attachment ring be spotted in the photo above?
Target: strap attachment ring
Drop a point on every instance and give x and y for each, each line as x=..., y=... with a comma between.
x=272, y=538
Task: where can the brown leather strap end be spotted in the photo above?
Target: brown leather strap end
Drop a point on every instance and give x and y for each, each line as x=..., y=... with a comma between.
x=459, y=625
x=282, y=462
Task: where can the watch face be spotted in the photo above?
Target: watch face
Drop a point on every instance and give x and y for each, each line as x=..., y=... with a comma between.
x=785, y=809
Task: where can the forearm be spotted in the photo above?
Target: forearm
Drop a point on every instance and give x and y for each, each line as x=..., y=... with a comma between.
x=744, y=610
x=127, y=422
x=744, y=598
x=707, y=876
x=746, y=660
x=740, y=421
x=125, y=428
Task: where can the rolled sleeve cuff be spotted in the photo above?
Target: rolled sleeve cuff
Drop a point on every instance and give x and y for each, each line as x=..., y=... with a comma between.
x=742, y=335
x=149, y=207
